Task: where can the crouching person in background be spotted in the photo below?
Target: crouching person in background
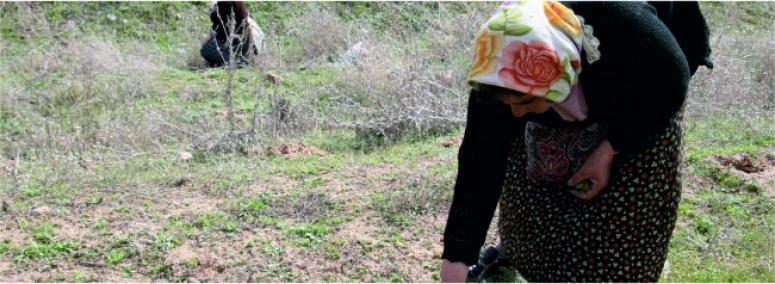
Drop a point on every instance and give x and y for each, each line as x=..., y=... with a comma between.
x=244, y=38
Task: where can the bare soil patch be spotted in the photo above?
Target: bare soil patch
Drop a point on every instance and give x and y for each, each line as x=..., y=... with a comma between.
x=423, y=248
x=111, y=276
x=272, y=183
x=188, y=250
x=295, y=150
x=358, y=230
x=452, y=141
x=192, y=204
x=7, y=167
x=746, y=163
x=12, y=232
x=356, y=250
x=759, y=168
x=5, y=268
x=68, y=229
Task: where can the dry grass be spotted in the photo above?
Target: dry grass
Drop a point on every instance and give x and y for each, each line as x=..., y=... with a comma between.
x=412, y=85
x=741, y=84
x=91, y=129
x=321, y=37
x=69, y=104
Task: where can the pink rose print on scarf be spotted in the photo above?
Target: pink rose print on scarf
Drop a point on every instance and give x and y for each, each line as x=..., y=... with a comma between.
x=556, y=163
x=530, y=68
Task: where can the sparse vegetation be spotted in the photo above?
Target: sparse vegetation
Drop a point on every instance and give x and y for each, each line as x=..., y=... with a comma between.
x=119, y=163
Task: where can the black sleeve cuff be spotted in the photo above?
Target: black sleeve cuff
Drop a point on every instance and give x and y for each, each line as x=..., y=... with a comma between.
x=460, y=251
x=625, y=141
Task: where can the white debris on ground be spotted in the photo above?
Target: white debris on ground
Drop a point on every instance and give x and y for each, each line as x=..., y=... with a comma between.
x=356, y=53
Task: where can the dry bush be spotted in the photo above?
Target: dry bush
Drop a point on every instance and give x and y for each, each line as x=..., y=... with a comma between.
x=412, y=84
x=386, y=104
x=451, y=37
x=28, y=19
x=81, y=95
x=319, y=36
x=93, y=55
x=399, y=88
x=291, y=117
x=190, y=48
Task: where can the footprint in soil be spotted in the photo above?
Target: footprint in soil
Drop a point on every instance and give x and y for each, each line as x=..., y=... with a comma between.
x=747, y=163
x=758, y=168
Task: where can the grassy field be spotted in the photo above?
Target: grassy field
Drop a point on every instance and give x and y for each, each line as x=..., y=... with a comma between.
x=124, y=159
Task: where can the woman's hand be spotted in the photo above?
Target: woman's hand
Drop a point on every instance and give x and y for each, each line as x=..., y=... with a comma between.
x=208, y=37
x=596, y=169
x=453, y=272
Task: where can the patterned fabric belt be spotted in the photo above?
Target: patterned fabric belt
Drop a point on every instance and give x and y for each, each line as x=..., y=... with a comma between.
x=555, y=154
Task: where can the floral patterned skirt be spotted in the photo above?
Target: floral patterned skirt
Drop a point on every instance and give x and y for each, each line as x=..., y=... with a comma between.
x=620, y=235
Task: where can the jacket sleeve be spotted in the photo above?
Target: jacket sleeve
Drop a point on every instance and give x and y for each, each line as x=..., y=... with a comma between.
x=490, y=130
x=690, y=29
x=642, y=77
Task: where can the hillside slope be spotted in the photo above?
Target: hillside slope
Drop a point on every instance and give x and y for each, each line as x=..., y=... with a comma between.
x=124, y=159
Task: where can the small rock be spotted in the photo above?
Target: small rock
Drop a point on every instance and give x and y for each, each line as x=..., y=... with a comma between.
x=85, y=162
x=275, y=79
x=42, y=210
x=181, y=182
x=7, y=167
x=70, y=25
x=356, y=53
x=185, y=156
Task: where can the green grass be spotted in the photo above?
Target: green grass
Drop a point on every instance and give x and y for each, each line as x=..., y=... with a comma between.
x=38, y=251
x=725, y=135
x=746, y=17
x=723, y=237
x=5, y=245
x=310, y=231
x=307, y=204
x=115, y=256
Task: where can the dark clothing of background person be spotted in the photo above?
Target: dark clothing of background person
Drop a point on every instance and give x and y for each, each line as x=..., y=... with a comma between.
x=636, y=89
x=222, y=14
x=215, y=50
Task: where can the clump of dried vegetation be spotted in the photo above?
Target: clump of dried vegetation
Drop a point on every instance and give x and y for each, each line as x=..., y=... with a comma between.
x=102, y=103
x=85, y=91
x=90, y=91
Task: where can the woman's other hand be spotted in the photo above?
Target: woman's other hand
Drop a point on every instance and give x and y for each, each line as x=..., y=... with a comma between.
x=596, y=169
x=453, y=272
x=208, y=37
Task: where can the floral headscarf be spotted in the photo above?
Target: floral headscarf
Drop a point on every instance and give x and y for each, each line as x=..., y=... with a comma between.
x=532, y=47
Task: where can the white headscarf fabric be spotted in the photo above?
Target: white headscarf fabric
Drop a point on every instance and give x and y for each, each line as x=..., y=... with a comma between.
x=533, y=47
